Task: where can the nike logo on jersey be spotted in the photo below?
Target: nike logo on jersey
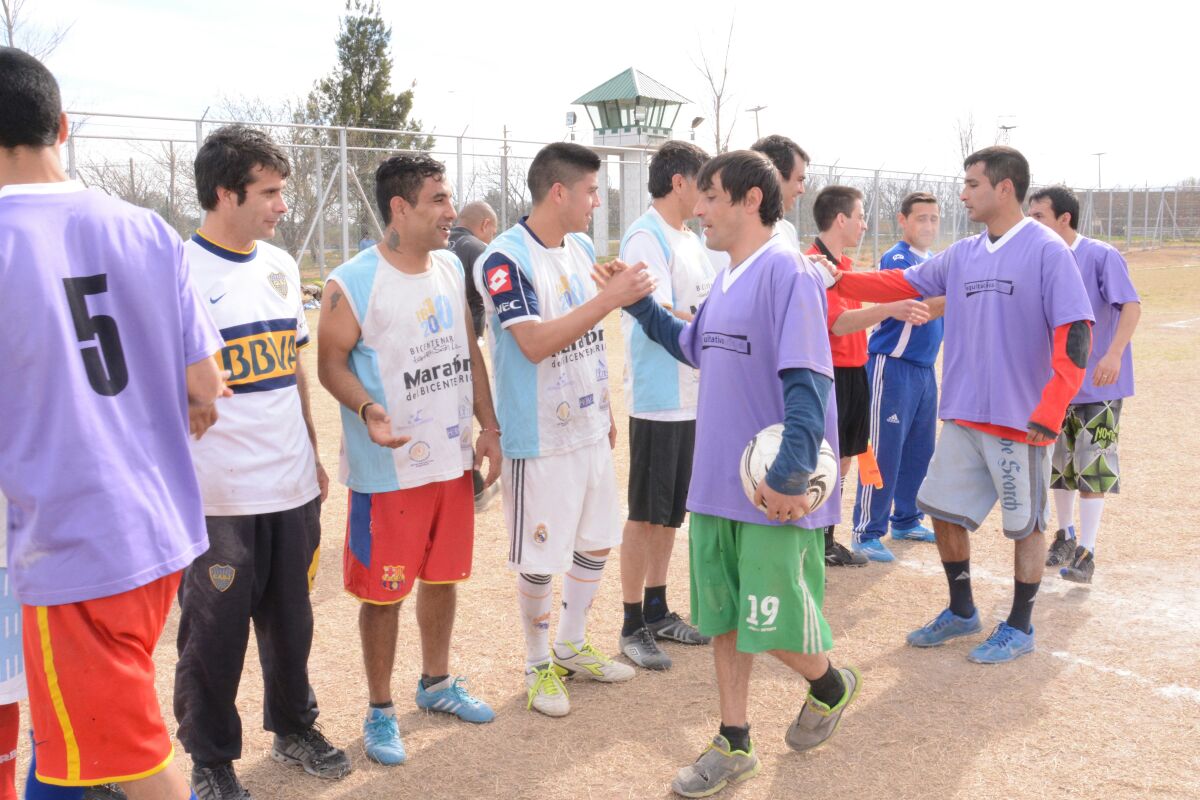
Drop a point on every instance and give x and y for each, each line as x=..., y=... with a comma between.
x=217, y=299
x=499, y=280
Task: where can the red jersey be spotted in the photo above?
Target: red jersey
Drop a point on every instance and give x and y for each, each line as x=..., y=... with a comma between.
x=849, y=350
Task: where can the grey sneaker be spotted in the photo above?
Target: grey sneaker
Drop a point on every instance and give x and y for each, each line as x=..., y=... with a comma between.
x=108, y=791
x=217, y=783
x=640, y=648
x=673, y=628
x=1062, y=549
x=817, y=721
x=717, y=767
x=312, y=751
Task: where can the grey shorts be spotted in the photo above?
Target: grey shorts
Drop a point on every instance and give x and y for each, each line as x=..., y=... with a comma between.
x=972, y=470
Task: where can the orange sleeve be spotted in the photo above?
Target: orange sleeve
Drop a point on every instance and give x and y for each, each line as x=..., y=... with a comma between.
x=1072, y=344
x=884, y=286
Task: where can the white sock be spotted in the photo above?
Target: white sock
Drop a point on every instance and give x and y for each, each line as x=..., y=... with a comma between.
x=579, y=589
x=535, y=596
x=1064, y=509
x=1090, y=509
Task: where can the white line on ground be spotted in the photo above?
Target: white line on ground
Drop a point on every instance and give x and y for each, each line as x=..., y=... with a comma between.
x=1172, y=691
x=1183, y=323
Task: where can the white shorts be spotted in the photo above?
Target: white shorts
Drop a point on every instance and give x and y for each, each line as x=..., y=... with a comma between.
x=557, y=505
x=972, y=470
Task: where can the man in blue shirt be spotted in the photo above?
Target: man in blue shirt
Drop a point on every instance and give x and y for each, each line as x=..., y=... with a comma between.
x=903, y=415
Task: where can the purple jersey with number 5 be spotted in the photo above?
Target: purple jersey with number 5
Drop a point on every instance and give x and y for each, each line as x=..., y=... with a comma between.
x=99, y=322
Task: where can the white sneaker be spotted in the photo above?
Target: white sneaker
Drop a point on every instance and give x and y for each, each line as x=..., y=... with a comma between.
x=546, y=691
x=588, y=662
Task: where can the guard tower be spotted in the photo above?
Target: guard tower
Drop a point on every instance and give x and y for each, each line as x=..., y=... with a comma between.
x=631, y=115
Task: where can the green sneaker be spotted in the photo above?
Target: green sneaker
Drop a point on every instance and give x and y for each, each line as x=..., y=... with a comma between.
x=817, y=721
x=717, y=767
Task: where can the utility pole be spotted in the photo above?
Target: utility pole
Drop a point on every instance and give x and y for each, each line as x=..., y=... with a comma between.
x=755, y=111
x=1099, y=183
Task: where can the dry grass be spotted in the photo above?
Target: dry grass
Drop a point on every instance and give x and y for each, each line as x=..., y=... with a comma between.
x=1088, y=715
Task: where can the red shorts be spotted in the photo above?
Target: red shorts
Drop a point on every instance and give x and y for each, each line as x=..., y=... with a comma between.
x=90, y=669
x=396, y=538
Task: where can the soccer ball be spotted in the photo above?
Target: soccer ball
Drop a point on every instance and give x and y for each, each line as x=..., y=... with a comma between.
x=760, y=454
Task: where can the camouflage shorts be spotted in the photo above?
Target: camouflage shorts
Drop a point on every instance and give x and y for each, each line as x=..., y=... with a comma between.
x=1085, y=455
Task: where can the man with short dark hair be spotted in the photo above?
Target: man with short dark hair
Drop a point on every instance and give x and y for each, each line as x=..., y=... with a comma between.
x=560, y=495
x=108, y=347
x=838, y=212
x=399, y=353
x=1018, y=334
x=660, y=395
x=1085, y=462
x=903, y=385
x=260, y=478
x=758, y=578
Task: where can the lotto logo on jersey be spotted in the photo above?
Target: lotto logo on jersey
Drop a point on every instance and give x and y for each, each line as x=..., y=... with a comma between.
x=499, y=279
x=260, y=356
x=435, y=315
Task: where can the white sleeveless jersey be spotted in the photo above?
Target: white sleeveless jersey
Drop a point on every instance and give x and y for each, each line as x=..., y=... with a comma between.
x=560, y=404
x=413, y=359
x=257, y=458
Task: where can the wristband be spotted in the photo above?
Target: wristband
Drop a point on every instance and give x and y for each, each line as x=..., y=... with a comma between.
x=490, y=430
x=362, y=410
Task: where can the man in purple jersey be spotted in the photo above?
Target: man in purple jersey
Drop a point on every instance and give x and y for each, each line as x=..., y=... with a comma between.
x=1085, y=456
x=757, y=570
x=1017, y=340
x=106, y=347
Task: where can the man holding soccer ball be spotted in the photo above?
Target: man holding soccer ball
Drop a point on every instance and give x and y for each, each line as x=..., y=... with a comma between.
x=757, y=576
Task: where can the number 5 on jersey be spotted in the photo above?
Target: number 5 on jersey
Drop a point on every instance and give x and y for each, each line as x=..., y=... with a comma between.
x=105, y=364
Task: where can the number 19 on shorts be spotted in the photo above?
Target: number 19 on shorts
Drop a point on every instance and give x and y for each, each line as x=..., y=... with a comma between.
x=762, y=613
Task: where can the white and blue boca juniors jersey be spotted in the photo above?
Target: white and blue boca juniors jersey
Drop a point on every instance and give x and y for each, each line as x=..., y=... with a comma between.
x=257, y=458
x=413, y=358
x=916, y=343
x=657, y=387
x=560, y=404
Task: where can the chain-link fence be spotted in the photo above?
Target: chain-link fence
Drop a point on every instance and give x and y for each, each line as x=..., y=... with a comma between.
x=332, y=213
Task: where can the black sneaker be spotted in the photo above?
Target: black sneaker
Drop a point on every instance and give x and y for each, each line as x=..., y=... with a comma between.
x=105, y=791
x=838, y=555
x=674, y=628
x=1062, y=549
x=1081, y=567
x=312, y=751
x=217, y=783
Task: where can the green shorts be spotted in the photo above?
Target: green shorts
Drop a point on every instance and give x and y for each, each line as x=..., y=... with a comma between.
x=765, y=582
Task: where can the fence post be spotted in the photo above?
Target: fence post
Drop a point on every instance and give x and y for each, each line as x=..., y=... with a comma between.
x=344, y=194
x=71, y=157
x=875, y=219
x=320, y=210
x=199, y=144
x=1129, y=221
x=458, y=192
x=1110, y=207
x=504, y=182
x=1146, y=210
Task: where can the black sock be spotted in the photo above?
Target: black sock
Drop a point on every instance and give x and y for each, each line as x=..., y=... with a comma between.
x=1022, y=607
x=656, y=603
x=958, y=575
x=738, y=738
x=829, y=688
x=633, y=618
x=382, y=706
x=431, y=680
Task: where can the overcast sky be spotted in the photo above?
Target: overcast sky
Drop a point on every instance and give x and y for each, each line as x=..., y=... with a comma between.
x=870, y=84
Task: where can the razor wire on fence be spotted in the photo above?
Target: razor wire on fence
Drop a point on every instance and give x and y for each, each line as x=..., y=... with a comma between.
x=147, y=161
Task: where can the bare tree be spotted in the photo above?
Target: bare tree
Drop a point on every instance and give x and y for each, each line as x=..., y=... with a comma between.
x=718, y=92
x=17, y=31
x=964, y=130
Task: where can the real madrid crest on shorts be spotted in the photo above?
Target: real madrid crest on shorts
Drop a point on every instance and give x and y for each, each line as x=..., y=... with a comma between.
x=278, y=282
x=222, y=576
x=540, y=534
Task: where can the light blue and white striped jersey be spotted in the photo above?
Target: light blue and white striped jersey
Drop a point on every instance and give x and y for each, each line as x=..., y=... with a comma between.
x=657, y=387
x=561, y=403
x=413, y=358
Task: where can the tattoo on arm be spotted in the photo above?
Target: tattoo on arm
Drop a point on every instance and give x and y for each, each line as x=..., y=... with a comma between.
x=333, y=301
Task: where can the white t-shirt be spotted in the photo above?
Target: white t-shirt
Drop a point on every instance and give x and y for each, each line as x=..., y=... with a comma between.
x=657, y=387
x=257, y=458
x=412, y=357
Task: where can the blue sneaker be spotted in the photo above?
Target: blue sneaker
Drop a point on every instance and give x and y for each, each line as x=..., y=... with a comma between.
x=1005, y=644
x=874, y=549
x=946, y=626
x=918, y=534
x=381, y=738
x=454, y=699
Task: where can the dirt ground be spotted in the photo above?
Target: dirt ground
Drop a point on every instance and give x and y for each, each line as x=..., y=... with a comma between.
x=1108, y=707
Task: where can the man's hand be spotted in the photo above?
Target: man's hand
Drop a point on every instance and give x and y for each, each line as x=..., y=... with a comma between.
x=204, y=416
x=322, y=481
x=833, y=274
x=1108, y=370
x=780, y=507
x=913, y=311
x=1036, y=435
x=487, y=444
x=379, y=428
x=622, y=285
x=612, y=432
